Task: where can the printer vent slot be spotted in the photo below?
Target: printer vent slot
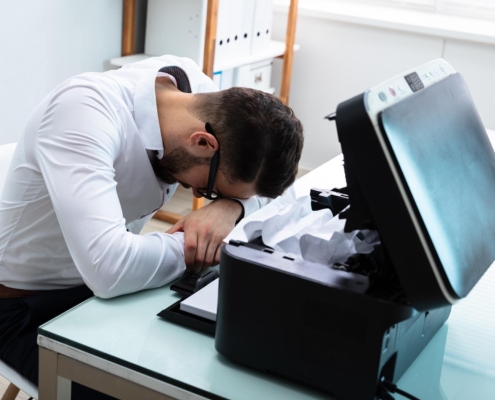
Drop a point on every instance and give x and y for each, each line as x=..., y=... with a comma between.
x=335, y=321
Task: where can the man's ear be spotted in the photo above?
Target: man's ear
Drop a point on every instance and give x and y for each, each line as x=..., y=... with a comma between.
x=202, y=144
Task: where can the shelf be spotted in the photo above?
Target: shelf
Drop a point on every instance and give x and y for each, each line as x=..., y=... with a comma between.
x=274, y=49
x=121, y=61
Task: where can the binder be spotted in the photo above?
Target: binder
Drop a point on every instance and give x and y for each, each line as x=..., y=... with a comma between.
x=176, y=27
x=222, y=44
x=262, y=25
x=224, y=79
x=245, y=28
x=234, y=29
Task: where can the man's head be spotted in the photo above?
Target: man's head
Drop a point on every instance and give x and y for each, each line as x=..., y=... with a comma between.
x=259, y=141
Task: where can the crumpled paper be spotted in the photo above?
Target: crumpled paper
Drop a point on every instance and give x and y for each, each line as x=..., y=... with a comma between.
x=315, y=236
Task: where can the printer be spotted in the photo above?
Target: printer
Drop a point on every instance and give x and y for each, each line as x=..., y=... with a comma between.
x=420, y=170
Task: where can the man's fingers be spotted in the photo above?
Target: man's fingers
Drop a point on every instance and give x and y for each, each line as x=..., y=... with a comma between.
x=190, y=246
x=204, y=231
x=178, y=227
x=210, y=253
x=217, y=254
x=200, y=256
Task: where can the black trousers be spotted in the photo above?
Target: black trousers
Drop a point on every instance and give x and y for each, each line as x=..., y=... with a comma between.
x=19, y=322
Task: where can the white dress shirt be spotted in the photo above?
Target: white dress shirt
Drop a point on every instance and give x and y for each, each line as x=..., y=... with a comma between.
x=81, y=187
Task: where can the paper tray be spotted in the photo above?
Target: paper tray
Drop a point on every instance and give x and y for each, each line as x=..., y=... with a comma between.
x=174, y=314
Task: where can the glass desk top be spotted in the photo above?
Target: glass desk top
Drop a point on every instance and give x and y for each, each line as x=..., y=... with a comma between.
x=459, y=363
x=126, y=331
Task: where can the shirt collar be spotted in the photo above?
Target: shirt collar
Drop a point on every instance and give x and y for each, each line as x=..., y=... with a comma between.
x=146, y=112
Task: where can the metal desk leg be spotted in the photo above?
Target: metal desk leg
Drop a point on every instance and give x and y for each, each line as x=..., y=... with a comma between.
x=51, y=386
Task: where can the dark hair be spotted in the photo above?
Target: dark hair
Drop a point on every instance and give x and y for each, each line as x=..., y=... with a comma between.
x=260, y=138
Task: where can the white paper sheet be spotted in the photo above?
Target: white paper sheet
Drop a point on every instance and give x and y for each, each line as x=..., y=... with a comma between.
x=315, y=236
x=204, y=302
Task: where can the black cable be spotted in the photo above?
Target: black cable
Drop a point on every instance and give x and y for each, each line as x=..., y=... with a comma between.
x=383, y=394
x=391, y=387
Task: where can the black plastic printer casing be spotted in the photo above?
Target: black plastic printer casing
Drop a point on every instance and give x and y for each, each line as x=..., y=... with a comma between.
x=332, y=337
x=310, y=323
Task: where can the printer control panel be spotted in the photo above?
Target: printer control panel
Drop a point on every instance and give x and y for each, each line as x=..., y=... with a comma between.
x=402, y=86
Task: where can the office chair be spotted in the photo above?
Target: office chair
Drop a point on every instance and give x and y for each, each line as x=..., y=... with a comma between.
x=17, y=382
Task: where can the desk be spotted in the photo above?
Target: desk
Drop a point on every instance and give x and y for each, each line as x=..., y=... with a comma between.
x=121, y=347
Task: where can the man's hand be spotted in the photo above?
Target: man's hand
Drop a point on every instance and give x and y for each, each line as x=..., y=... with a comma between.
x=204, y=231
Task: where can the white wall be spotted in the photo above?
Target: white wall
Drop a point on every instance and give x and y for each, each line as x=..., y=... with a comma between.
x=339, y=60
x=43, y=42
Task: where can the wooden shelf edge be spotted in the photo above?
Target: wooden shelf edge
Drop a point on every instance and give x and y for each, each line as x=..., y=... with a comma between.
x=121, y=61
x=128, y=27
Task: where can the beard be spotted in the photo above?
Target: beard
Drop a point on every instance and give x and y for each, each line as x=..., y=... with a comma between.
x=179, y=160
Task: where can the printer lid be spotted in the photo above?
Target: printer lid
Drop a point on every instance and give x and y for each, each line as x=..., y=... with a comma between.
x=437, y=219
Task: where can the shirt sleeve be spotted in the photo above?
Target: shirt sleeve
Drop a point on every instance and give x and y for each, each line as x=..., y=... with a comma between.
x=78, y=140
x=253, y=204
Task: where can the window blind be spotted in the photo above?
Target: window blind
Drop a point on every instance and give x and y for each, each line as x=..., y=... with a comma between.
x=427, y=5
x=467, y=8
x=474, y=8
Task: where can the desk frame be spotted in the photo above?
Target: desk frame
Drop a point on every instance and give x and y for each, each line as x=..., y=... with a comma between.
x=58, y=370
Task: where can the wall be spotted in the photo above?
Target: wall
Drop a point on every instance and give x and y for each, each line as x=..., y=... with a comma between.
x=44, y=42
x=339, y=60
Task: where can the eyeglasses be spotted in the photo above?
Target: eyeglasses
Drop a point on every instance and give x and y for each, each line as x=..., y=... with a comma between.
x=210, y=194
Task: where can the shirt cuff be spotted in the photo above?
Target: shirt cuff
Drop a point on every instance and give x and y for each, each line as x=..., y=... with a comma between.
x=252, y=205
x=243, y=210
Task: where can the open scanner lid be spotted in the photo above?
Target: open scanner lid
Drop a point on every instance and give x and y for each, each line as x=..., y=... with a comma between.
x=420, y=168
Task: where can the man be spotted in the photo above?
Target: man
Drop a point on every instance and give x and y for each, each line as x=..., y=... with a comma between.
x=104, y=151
